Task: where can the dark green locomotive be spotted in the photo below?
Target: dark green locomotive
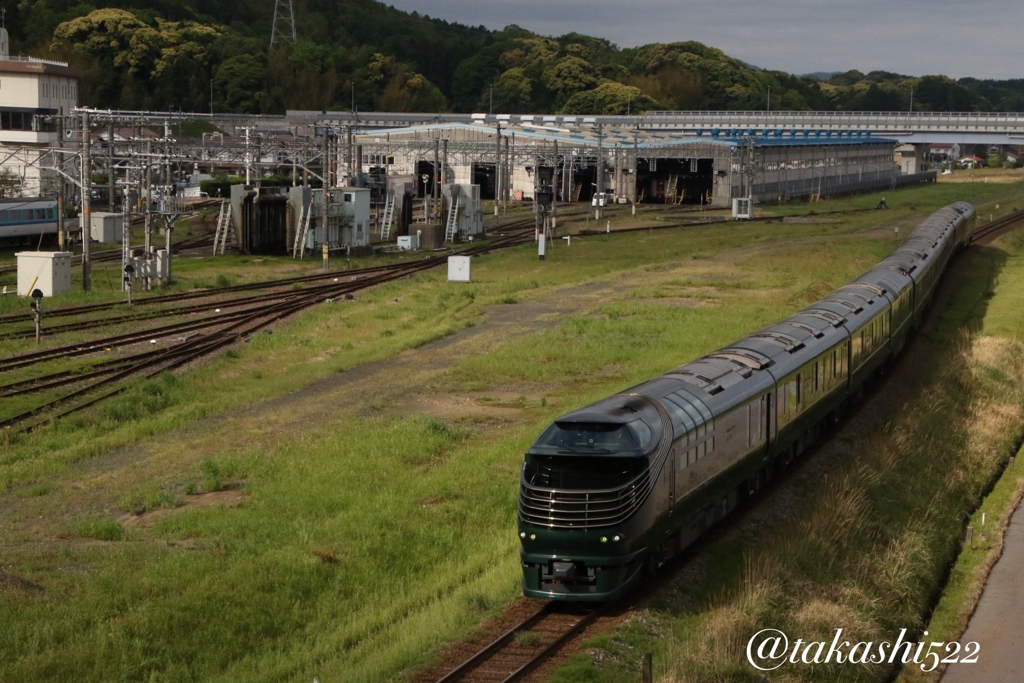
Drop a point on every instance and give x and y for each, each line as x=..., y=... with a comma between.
x=621, y=485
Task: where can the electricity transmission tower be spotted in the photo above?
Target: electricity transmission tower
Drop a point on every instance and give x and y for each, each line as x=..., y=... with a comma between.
x=284, y=22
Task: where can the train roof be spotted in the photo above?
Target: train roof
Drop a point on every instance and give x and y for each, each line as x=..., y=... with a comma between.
x=694, y=392
x=25, y=201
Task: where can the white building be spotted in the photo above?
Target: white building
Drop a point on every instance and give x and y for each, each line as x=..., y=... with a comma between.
x=33, y=92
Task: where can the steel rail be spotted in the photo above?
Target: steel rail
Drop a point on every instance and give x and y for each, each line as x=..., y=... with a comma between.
x=495, y=645
x=489, y=651
x=555, y=645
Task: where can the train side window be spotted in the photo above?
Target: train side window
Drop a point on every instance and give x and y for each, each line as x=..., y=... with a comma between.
x=792, y=395
x=3, y=217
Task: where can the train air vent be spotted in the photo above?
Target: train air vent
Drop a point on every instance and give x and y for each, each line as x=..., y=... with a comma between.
x=877, y=290
x=694, y=379
x=828, y=316
x=854, y=308
x=866, y=299
x=817, y=334
x=754, y=361
x=788, y=343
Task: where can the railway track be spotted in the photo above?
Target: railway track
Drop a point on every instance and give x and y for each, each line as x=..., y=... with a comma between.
x=521, y=649
x=190, y=340
x=984, y=234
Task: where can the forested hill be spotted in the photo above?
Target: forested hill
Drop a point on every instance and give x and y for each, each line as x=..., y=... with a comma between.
x=166, y=54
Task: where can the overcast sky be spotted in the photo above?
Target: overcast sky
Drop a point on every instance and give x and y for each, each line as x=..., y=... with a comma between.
x=957, y=38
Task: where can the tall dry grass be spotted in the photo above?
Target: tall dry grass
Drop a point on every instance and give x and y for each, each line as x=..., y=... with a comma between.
x=868, y=545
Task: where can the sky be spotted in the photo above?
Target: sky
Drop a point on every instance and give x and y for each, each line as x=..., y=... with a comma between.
x=956, y=38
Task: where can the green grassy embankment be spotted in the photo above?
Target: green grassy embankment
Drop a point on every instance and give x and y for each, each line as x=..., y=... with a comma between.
x=860, y=538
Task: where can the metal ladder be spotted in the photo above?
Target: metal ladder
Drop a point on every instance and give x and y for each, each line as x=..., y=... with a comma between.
x=453, y=220
x=225, y=225
x=389, y=217
x=299, y=248
x=577, y=188
x=671, y=189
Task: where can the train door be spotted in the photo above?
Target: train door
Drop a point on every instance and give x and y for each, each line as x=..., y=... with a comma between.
x=671, y=481
x=756, y=423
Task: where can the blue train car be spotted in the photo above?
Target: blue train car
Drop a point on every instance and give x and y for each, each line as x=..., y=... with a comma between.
x=27, y=218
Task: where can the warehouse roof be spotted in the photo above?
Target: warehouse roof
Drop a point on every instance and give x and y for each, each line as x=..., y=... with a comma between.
x=622, y=136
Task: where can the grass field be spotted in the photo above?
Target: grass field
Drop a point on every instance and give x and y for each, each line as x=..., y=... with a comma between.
x=337, y=498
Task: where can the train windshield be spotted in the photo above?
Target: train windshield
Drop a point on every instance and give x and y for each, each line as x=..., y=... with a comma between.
x=581, y=472
x=593, y=437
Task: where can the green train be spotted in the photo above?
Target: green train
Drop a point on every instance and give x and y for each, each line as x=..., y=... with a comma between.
x=612, y=490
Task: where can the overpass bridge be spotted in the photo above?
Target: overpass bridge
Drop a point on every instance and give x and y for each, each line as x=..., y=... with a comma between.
x=919, y=128
x=1002, y=128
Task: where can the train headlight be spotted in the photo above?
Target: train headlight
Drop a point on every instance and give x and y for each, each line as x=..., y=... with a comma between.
x=522, y=534
x=604, y=539
x=617, y=538
x=533, y=537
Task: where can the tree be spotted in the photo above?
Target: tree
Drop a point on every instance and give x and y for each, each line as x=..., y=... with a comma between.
x=569, y=75
x=240, y=80
x=160, y=58
x=608, y=99
x=10, y=183
x=513, y=92
x=940, y=93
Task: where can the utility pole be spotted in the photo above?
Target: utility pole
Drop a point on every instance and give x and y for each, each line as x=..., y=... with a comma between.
x=507, y=196
x=326, y=194
x=442, y=174
x=600, y=175
x=636, y=167
x=61, y=235
x=497, y=168
x=149, y=214
x=110, y=165
x=86, y=222
x=435, y=189
x=248, y=164
x=554, y=190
